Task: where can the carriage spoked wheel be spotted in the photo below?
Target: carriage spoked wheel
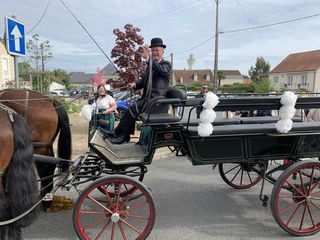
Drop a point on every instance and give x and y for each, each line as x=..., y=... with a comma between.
x=113, y=216
x=241, y=175
x=295, y=199
x=136, y=172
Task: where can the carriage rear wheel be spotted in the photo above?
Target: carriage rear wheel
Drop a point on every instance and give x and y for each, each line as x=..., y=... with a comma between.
x=295, y=199
x=102, y=216
x=241, y=175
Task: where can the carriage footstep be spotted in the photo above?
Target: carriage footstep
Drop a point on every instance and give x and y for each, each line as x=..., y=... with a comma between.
x=60, y=203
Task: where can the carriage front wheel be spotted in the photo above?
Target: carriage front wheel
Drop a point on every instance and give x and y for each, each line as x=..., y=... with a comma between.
x=295, y=199
x=107, y=216
x=241, y=175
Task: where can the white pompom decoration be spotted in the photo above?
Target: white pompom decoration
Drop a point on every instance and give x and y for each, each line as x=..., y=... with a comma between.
x=288, y=99
x=284, y=125
x=211, y=100
x=287, y=112
x=86, y=112
x=205, y=129
x=207, y=116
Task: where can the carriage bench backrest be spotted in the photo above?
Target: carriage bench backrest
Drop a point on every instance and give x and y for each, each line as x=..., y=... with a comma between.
x=253, y=129
x=156, y=112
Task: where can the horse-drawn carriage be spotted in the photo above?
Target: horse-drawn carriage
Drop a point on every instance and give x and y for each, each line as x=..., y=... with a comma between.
x=120, y=206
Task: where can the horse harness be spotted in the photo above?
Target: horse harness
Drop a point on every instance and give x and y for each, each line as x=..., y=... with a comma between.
x=25, y=116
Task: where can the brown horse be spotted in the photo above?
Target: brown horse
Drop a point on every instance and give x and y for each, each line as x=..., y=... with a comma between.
x=18, y=179
x=46, y=118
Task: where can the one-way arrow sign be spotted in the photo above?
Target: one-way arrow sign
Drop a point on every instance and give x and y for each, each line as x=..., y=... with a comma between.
x=16, y=44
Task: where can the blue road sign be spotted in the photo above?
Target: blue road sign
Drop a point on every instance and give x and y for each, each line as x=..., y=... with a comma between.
x=16, y=44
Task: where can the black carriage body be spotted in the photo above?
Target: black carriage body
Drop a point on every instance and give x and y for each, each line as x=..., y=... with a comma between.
x=232, y=140
x=240, y=148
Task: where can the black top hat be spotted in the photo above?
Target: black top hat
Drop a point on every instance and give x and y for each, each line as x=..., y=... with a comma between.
x=157, y=42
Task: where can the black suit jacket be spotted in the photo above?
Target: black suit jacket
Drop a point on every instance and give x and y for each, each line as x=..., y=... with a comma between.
x=160, y=78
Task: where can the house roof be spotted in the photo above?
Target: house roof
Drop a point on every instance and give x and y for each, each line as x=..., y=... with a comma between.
x=298, y=62
x=109, y=70
x=81, y=77
x=231, y=72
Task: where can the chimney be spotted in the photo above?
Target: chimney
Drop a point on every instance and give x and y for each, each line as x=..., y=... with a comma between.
x=191, y=61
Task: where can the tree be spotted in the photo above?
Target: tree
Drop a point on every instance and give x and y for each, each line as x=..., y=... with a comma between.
x=263, y=86
x=39, y=55
x=24, y=67
x=128, y=54
x=260, y=71
x=61, y=76
x=220, y=77
x=97, y=77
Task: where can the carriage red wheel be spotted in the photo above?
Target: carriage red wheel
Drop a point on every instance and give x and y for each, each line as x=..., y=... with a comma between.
x=136, y=172
x=295, y=199
x=98, y=216
x=241, y=175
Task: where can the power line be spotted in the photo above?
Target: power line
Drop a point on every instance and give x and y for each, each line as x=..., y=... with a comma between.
x=200, y=44
x=252, y=28
x=74, y=16
x=272, y=24
x=42, y=16
x=37, y=23
x=173, y=11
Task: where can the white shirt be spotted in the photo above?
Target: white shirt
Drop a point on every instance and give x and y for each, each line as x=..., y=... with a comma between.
x=104, y=102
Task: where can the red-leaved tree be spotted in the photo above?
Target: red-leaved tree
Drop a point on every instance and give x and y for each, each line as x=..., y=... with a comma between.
x=127, y=55
x=97, y=77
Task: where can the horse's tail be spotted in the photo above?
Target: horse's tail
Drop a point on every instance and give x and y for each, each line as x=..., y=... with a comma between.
x=21, y=179
x=64, y=141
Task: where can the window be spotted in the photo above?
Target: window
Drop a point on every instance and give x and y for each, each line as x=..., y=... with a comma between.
x=195, y=77
x=304, y=80
x=207, y=77
x=276, y=79
x=290, y=80
x=5, y=64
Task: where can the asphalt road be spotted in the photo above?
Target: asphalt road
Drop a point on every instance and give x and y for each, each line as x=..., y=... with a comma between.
x=191, y=203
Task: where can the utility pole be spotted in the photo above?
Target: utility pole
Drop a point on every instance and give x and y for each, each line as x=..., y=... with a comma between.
x=172, y=80
x=42, y=68
x=215, y=68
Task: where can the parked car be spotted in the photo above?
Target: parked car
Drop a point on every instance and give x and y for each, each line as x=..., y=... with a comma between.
x=73, y=92
x=59, y=92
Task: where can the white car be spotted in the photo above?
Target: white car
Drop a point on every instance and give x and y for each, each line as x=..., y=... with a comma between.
x=58, y=92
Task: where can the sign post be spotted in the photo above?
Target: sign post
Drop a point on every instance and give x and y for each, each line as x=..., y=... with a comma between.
x=16, y=44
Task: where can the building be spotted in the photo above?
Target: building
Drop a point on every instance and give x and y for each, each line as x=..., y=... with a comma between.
x=55, y=86
x=6, y=67
x=82, y=80
x=109, y=72
x=298, y=70
x=205, y=76
x=231, y=77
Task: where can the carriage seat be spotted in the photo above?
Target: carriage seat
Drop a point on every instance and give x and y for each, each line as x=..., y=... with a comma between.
x=157, y=109
x=257, y=129
x=117, y=154
x=217, y=122
x=267, y=119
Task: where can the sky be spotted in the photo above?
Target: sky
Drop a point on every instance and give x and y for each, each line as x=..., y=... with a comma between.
x=182, y=24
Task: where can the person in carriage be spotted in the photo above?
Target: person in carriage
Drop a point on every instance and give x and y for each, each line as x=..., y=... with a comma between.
x=105, y=106
x=160, y=84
